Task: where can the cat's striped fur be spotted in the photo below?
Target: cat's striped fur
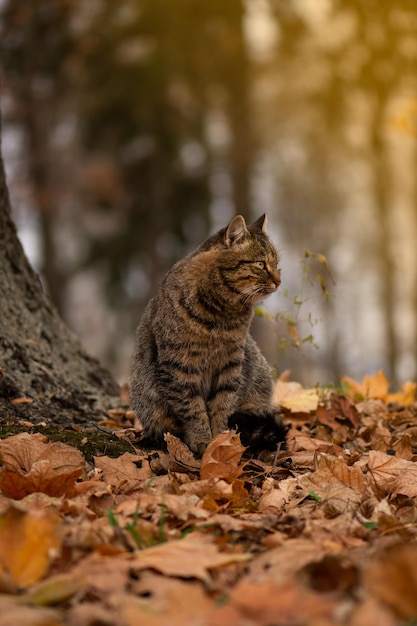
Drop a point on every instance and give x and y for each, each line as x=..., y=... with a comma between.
x=196, y=370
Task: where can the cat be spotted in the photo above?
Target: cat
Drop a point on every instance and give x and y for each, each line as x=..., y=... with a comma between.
x=196, y=371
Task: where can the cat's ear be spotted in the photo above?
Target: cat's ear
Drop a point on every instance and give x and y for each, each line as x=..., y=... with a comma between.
x=260, y=224
x=236, y=232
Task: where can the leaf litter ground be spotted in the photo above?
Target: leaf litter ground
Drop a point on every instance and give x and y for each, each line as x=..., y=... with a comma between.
x=323, y=533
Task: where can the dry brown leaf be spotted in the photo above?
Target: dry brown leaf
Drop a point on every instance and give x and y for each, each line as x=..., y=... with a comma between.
x=393, y=475
x=341, y=410
x=181, y=457
x=29, y=542
x=171, y=601
x=190, y=557
x=103, y=575
x=276, y=496
x=222, y=457
x=339, y=487
x=392, y=579
x=179, y=506
x=218, y=489
x=53, y=590
x=282, y=563
x=32, y=464
x=12, y=614
x=274, y=499
x=294, y=397
x=91, y=613
x=331, y=470
x=128, y=470
x=269, y=603
x=311, y=444
x=332, y=573
x=370, y=611
x=348, y=476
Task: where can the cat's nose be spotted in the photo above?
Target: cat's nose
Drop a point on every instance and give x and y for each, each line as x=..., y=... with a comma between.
x=276, y=277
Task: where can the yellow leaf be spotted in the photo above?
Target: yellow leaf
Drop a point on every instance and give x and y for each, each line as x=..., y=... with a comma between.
x=294, y=397
x=375, y=386
x=28, y=544
x=406, y=396
x=54, y=590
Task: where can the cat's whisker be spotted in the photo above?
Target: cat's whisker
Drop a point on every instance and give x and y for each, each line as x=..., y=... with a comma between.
x=249, y=293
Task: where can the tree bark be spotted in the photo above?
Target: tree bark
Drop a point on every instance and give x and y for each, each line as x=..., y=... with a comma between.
x=45, y=375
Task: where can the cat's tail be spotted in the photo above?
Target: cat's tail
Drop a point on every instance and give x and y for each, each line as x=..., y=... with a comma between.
x=260, y=431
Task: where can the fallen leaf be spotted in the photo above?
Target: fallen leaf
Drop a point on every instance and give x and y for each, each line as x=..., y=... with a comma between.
x=393, y=475
x=190, y=557
x=392, y=579
x=53, y=590
x=292, y=396
x=167, y=600
x=179, y=458
x=222, y=457
x=282, y=563
x=127, y=471
x=339, y=486
x=350, y=476
x=375, y=386
x=341, y=410
x=274, y=499
x=332, y=573
x=29, y=542
x=406, y=396
x=103, y=575
x=14, y=615
x=370, y=611
x=270, y=603
x=31, y=464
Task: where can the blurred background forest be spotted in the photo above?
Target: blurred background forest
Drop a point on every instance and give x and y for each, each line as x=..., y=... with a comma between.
x=133, y=129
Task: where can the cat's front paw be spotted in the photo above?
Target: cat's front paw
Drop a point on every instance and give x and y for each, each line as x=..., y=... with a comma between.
x=198, y=448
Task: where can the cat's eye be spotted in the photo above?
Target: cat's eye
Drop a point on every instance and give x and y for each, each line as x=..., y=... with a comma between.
x=260, y=264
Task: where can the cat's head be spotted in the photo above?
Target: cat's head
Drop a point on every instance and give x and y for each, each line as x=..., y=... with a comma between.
x=250, y=262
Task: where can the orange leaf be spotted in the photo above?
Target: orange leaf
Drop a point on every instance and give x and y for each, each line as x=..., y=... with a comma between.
x=174, y=602
x=31, y=464
x=392, y=578
x=406, y=396
x=375, y=386
x=262, y=603
x=190, y=557
x=392, y=474
x=294, y=397
x=222, y=457
x=129, y=469
x=28, y=544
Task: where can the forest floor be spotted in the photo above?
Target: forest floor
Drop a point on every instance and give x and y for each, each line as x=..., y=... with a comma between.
x=323, y=533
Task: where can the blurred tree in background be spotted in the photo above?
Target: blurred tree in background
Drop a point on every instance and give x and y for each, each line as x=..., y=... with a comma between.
x=133, y=129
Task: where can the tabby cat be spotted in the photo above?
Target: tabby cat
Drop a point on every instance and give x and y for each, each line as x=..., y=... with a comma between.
x=196, y=370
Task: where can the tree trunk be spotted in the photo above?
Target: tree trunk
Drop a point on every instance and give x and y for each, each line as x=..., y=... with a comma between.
x=45, y=375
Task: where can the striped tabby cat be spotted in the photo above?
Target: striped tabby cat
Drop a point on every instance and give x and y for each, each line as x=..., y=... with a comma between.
x=196, y=371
